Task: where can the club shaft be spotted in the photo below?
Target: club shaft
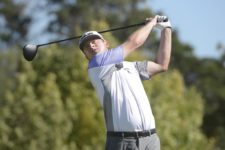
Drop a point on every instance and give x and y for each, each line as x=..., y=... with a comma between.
x=59, y=41
x=120, y=28
x=109, y=30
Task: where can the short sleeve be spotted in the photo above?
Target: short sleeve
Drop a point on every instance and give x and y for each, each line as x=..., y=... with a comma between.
x=111, y=56
x=141, y=67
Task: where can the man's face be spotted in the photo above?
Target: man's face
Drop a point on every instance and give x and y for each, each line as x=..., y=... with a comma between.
x=94, y=46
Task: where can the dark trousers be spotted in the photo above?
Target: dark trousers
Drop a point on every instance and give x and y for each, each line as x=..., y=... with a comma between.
x=141, y=143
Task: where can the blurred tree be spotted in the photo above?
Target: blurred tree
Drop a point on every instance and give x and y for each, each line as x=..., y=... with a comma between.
x=32, y=117
x=8, y=65
x=211, y=82
x=178, y=112
x=51, y=106
x=207, y=74
x=14, y=23
x=77, y=95
x=184, y=59
x=80, y=13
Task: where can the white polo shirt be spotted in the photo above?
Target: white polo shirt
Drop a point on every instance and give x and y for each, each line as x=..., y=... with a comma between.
x=120, y=91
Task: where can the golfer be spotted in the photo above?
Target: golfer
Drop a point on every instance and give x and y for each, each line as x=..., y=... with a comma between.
x=128, y=116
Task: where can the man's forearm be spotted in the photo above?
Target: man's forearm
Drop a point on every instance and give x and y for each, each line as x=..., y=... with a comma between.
x=140, y=36
x=164, y=52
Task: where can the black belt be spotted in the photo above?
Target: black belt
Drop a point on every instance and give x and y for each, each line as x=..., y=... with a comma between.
x=132, y=134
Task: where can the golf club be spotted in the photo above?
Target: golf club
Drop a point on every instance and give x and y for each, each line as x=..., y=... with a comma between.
x=30, y=50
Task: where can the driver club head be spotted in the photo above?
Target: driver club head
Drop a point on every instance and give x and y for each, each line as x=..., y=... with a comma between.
x=30, y=51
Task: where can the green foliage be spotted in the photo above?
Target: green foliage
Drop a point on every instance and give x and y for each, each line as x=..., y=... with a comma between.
x=211, y=81
x=8, y=65
x=208, y=76
x=52, y=105
x=33, y=116
x=178, y=112
x=202, y=73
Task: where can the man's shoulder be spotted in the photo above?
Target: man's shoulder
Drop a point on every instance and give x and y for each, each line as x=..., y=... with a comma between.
x=108, y=57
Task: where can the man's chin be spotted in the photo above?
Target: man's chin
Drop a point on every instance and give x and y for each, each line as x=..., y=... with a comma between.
x=99, y=51
x=96, y=51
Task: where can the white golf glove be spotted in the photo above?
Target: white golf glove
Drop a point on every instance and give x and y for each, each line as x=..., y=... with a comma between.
x=161, y=25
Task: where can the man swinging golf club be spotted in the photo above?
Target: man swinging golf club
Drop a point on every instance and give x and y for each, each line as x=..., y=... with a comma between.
x=128, y=116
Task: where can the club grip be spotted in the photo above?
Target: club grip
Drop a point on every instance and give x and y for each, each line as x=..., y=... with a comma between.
x=162, y=19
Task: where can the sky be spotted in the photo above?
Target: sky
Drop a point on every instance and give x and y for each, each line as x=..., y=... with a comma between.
x=200, y=23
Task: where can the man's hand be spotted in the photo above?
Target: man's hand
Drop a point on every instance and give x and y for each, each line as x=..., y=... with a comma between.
x=161, y=25
x=153, y=21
